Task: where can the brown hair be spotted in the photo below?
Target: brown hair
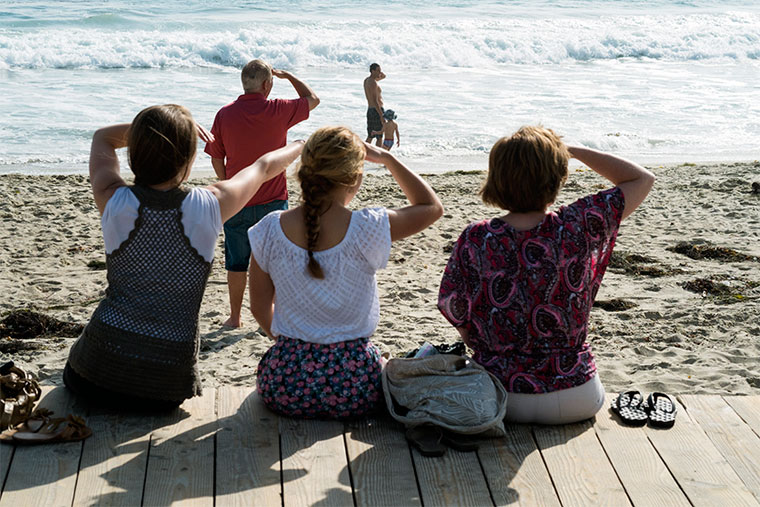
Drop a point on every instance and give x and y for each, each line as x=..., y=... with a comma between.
x=255, y=74
x=526, y=170
x=161, y=143
x=332, y=157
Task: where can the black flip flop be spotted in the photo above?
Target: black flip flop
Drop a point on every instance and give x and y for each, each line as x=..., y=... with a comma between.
x=662, y=410
x=427, y=440
x=631, y=408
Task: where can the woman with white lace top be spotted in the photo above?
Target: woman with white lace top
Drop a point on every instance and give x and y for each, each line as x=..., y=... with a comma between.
x=313, y=273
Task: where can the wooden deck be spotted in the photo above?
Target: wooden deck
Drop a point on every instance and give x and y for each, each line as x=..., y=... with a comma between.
x=225, y=448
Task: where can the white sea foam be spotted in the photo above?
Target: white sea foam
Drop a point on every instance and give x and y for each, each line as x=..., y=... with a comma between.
x=655, y=80
x=409, y=44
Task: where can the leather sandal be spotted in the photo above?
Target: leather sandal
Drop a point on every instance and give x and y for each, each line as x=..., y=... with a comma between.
x=33, y=424
x=62, y=429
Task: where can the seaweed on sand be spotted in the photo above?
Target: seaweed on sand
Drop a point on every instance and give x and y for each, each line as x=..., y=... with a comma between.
x=631, y=264
x=26, y=324
x=707, y=286
x=615, y=305
x=707, y=251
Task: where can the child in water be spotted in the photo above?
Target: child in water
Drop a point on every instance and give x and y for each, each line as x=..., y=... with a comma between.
x=389, y=130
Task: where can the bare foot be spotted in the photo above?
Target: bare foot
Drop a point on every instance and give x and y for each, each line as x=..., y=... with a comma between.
x=232, y=323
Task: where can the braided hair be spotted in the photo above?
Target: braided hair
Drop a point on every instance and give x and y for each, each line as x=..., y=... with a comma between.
x=331, y=158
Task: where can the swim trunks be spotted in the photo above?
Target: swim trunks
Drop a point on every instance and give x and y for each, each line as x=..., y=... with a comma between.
x=373, y=122
x=388, y=144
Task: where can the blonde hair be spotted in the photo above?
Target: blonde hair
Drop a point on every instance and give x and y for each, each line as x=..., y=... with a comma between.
x=526, y=171
x=254, y=75
x=331, y=158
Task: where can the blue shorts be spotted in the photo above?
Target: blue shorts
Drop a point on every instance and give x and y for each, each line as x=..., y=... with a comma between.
x=237, y=249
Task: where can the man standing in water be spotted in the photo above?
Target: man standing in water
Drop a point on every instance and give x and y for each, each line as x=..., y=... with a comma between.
x=375, y=120
x=245, y=130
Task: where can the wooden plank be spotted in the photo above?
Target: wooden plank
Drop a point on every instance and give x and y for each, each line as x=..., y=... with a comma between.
x=248, y=450
x=640, y=469
x=314, y=464
x=748, y=408
x=730, y=434
x=181, y=459
x=46, y=475
x=6, y=456
x=515, y=470
x=381, y=466
x=701, y=471
x=576, y=461
x=454, y=479
x=114, y=459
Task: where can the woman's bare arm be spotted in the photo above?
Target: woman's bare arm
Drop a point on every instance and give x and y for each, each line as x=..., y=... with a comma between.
x=424, y=206
x=633, y=180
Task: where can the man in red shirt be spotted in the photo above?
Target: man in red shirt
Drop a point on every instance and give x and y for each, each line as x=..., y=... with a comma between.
x=243, y=131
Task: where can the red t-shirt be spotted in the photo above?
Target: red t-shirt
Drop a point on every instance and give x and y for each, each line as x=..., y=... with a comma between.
x=250, y=127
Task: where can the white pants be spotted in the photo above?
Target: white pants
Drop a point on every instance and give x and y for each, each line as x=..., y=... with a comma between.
x=558, y=407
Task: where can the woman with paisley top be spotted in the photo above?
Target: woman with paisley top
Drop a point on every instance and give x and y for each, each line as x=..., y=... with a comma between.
x=519, y=287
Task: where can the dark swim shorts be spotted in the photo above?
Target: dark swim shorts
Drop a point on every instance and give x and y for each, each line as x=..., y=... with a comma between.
x=373, y=122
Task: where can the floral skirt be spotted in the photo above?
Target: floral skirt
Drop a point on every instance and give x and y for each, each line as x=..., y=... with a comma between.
x=321, y=381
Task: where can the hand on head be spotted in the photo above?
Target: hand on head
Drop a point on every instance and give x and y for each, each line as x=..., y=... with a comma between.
x=205, y=135
x=374, y=153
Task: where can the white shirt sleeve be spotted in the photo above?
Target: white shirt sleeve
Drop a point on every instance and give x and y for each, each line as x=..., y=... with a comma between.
x=202, y=221
x=118, y=218
x=375, y=237
x=259, y=238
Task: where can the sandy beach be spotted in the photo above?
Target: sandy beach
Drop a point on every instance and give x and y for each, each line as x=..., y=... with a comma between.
x=679, y=319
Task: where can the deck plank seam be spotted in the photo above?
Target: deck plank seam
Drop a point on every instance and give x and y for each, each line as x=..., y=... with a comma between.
x=667, y=467
x=348, y=466
x=546, y=467
x=756, y=431
x=485, y=477
x=716, y=443
x=282, y=471
x=416, y=474
x=79, y=469
x=607, y=455
x=8, y=471
x=145, y=475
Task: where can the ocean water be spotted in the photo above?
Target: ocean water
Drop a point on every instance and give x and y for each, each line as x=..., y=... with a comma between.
x=658, y=81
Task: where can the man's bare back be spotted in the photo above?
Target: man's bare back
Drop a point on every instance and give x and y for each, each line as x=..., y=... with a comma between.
x=372, y=91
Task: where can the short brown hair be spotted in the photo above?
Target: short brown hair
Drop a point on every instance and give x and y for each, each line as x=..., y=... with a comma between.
x=255, y=74
x=161, y=143
x=526, y=170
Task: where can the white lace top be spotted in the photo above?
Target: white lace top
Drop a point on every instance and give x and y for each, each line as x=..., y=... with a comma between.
x=342, y=306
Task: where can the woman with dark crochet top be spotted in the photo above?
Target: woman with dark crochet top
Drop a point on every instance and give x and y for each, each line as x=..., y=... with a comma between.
x=519, y=287
x=313, y=269
x=140, y=348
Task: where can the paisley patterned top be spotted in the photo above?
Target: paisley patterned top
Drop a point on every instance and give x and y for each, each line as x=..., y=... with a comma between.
x=525, y=296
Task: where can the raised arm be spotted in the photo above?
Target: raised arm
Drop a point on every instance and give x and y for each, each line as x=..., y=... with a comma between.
x=302, y=89
x=633, y=180
x=233, y=193
x=424, y=206
x=219, y=168
x=262, y=299
x=104, y=164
